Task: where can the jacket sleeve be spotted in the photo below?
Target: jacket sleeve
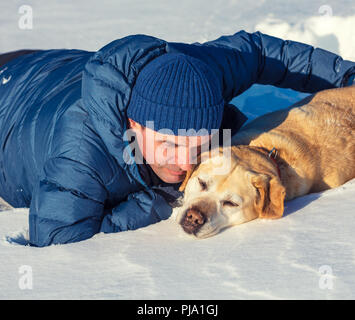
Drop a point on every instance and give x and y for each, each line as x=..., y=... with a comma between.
x=59, y=215
x=242, y=59
x=284, y=63
x=67, y=204
x=139, y=210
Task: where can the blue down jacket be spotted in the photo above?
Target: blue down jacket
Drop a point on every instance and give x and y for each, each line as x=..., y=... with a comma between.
x=62, y=124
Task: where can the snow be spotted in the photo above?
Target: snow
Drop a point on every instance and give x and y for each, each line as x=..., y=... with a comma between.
x=261, y=259
x=308, y=254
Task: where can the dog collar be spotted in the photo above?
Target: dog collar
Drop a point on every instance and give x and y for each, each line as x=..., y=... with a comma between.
x=273, y=156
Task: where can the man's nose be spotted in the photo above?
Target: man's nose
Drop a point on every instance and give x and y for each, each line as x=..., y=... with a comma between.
x=185, y=159
x=185, y=167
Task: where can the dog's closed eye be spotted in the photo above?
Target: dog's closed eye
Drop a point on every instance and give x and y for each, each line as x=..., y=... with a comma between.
x=228, y=203
x=203, y=184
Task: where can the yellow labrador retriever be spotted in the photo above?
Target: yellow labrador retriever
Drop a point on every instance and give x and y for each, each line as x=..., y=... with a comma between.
x=308, y=147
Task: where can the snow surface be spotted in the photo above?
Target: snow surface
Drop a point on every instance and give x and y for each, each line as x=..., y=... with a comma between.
x=308, y=254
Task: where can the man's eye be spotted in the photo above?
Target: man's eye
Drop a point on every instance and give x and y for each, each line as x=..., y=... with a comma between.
x=228, y=203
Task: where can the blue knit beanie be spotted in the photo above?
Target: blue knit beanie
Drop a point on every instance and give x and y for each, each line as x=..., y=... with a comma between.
x=177, y=91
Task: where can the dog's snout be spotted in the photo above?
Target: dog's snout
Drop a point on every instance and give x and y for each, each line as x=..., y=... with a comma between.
x=193, y=221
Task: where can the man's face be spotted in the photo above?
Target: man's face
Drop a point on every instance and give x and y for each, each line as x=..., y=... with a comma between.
x=169, y=156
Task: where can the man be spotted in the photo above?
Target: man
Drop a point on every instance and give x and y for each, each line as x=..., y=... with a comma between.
x=65, y=114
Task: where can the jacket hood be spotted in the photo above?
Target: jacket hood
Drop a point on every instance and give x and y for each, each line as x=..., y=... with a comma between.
x=108, y=79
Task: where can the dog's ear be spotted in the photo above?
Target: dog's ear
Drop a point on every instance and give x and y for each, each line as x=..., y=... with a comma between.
x=269, y=202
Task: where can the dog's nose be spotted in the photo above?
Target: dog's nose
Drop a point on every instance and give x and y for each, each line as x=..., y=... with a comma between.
x=193, y=220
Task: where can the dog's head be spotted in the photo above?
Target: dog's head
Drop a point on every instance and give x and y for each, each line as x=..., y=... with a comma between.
x=226, y=190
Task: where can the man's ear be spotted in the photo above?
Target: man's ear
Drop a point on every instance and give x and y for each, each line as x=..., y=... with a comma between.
x=269, y=202
x=133, y=124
